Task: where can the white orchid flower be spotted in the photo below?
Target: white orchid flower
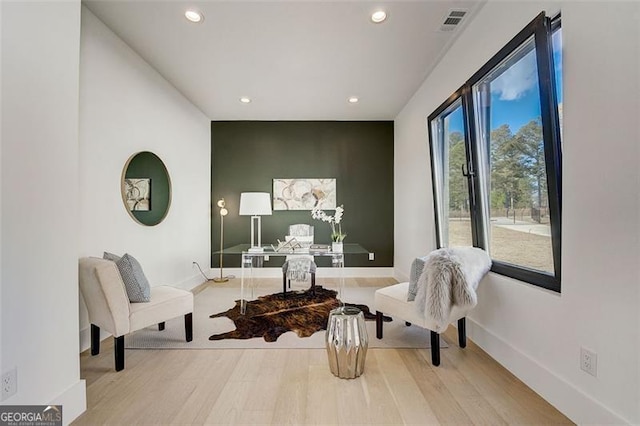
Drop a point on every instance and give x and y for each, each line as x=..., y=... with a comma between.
x=339, y=213
x=336, y=234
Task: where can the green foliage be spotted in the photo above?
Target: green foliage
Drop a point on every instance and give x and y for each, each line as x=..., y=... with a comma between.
x=518, y=178
x=458, y=191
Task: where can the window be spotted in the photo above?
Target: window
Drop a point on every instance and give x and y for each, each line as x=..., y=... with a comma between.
x=496, y=158
x=453, y=201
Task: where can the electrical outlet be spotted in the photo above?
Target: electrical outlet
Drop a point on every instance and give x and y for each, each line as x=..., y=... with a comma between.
x=371, y=256
x=266, y=258
x=9, y=383
x=588, y=361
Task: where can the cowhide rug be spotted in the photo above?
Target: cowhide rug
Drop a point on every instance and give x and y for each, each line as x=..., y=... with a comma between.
x=273, y=315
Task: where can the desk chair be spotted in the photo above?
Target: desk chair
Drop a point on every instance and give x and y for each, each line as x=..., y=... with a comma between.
x=297, y=267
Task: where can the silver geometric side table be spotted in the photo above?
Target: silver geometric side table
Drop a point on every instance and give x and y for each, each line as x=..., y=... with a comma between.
x=346, y=342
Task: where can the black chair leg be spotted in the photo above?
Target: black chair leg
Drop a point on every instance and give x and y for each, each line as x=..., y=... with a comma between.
x=118, y=348
x=95, y=339
x=407, y=323
x=313, y=283
x=161, y=326
x=379, y=324
x=435, y=348
x=284, y=285
x=462, y=333
x=188, y=326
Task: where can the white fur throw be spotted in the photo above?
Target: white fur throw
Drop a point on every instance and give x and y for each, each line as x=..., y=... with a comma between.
x=450, y=277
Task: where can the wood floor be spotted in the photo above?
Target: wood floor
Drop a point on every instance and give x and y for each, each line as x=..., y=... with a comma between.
x=295, y=386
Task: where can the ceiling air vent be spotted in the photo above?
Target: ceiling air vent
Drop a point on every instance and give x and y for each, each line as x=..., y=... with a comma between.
x=453, y=19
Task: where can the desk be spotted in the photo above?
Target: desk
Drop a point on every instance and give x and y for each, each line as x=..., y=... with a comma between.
x=253, y=259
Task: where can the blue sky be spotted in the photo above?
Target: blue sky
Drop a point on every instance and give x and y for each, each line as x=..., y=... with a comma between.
x=514, y=94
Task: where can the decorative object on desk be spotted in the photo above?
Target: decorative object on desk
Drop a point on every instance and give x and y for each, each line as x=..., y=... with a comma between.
x=255, y=204
x=138, y=194
x=304, y=194
x=318, y=248
x=270, y=316
x=337, y=247
x=223, y=213
x=288, y=246
x=335, y=221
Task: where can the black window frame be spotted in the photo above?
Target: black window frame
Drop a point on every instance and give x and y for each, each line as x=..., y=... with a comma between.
x=541, y=28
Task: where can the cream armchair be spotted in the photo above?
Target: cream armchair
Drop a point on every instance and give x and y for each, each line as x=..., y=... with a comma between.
x=444, y=287
x=108, y=305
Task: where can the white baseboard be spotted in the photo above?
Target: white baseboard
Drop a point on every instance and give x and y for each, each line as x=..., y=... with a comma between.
x=571, y=401
x=276, y=272
x=73, y=401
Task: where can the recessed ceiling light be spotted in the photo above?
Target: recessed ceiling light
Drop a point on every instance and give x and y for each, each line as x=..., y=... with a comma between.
x=194, y=16
x=353, y=100
x=245, y=100
x=378, y=16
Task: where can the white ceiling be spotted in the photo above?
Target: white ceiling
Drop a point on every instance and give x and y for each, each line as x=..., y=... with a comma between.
x=296, y=60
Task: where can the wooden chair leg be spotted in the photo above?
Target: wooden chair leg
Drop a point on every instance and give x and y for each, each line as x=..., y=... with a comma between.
x=118, y=349
x=462, y=333
x=95, y=339
x=379, y=324
x=435, y=348
x=188, y=326
x=161, y=326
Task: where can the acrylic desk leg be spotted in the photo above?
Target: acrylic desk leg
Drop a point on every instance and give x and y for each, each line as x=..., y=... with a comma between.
x=243, y=302
x=337, y=261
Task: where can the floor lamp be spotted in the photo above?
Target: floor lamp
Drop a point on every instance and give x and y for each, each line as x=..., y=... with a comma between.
x=223, y=213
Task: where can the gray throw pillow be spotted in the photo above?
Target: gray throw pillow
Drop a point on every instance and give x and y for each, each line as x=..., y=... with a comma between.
x=136, y=284
x=110, y=256
x=416, y=270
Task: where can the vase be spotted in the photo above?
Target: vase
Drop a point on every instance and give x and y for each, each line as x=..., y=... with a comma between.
x=336, y=246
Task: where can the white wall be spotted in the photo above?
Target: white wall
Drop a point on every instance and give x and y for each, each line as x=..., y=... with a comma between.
x=39, y=201
x=127, y=107
x=535, y=333
x=1, y=7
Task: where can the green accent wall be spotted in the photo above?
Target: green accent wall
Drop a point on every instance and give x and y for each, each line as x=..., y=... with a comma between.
x=248, y=155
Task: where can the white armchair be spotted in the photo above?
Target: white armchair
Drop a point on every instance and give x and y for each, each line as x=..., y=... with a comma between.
x=446, y=292
x=108, y=306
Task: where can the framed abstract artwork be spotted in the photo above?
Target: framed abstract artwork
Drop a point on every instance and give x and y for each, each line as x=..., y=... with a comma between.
x=138, y=194
x=304, y=194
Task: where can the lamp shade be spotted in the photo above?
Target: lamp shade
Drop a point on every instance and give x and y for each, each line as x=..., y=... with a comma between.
x=255, y=204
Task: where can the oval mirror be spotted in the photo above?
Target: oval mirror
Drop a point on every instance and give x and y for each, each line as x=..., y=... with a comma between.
x=146, y=188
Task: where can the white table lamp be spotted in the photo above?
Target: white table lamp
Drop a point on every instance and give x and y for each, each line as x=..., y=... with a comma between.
x=255, y=204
